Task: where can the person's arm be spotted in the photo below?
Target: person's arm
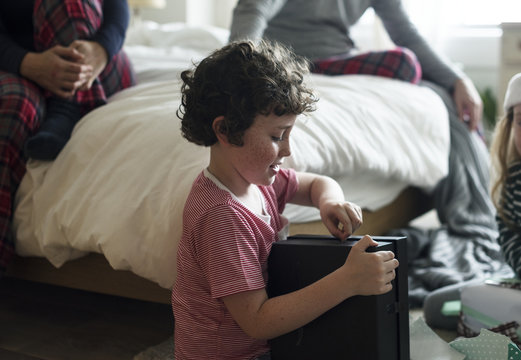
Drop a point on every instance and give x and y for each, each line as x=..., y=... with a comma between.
x=250, y=18
x=510, y=242
x=340, y=217
x=11, y=54
x=435, y=69
x=363, y=273
x=111, y=34
x=404, y=33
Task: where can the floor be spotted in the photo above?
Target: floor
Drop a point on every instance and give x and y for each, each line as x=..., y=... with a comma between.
x=44, y=322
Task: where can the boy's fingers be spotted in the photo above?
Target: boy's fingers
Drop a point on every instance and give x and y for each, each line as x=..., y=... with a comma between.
x=338, y=230
x=387, y=255
x=354, y=214
x=365, y=242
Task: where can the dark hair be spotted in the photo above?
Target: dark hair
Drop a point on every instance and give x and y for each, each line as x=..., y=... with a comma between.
x=240, y=81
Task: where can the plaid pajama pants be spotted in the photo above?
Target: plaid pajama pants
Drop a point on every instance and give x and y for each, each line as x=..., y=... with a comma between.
x=398, y=63
x=22, y=102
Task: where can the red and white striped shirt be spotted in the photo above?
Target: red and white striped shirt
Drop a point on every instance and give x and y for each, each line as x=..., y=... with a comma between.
x=223, y=250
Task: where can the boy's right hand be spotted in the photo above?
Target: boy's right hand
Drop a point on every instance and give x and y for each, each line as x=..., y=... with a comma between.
x=369, y=273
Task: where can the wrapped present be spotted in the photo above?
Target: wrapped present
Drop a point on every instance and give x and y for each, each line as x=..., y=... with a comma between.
x=488, y=345
x=494, y=306
x=362, y=327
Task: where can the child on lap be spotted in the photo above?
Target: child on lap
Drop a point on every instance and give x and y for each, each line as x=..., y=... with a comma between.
x=242, y=101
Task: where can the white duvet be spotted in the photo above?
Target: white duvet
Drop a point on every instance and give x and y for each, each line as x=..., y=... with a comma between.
x=119, y=185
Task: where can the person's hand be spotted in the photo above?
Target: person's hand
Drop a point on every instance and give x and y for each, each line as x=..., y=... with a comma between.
x=341, y=218
x=94, y=55
x=468, y=103
x=58, y=69
x=369, y=273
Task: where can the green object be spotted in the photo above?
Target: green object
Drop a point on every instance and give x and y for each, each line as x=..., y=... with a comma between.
x=489, y=107
x=513, y=352
x=451, y=308
x=479, y=316
x=487, y=346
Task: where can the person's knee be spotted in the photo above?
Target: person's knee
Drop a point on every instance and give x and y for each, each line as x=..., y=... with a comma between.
x=409, y=65
x=433, y=309
x=62, y=22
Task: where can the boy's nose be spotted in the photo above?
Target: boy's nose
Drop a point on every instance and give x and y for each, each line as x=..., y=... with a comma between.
x=285, y=150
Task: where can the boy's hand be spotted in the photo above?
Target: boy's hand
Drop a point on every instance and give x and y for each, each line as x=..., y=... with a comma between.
x=341, y=218
x=369, y=273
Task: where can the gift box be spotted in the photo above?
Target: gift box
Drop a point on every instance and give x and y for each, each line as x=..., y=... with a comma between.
x=362, y=327
x=492, y=305
x=487, y=345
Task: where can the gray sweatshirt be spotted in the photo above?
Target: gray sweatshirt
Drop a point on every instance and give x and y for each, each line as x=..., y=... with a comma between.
x=317, y=29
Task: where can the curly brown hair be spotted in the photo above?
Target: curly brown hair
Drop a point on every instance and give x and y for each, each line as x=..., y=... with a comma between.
x=240, y=81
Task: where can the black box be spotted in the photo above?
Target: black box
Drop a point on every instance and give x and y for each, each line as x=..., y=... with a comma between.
x=362, y=327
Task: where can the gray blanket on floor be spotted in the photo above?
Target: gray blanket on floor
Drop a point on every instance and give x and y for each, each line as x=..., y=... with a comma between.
x=465, y=246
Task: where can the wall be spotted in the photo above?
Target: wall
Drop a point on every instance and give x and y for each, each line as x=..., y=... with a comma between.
x=197, y=12
x=478, y=52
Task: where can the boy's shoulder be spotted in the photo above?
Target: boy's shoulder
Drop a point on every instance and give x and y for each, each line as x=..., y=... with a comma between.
x=204, y=188
x=208, y=195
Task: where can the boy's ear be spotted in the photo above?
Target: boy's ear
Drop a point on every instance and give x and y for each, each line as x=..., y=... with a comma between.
x=217, y=126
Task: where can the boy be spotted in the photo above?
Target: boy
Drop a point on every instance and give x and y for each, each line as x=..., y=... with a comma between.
x=242, y=101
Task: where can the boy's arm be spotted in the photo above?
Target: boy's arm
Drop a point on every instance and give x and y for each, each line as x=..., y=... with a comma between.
x=364, y=273
x=341, y=217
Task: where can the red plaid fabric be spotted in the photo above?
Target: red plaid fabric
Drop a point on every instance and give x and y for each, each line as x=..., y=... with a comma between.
x=60, y=22
x=21, y=108
x=22, y=103
x=508, y=329
x=399, y=63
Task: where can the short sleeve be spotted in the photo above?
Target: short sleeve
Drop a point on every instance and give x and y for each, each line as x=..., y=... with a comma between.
x=285, y=186
x=227, y=252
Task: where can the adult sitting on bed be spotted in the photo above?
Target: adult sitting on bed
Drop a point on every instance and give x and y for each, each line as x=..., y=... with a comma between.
x=319, y=30
x=58, y=60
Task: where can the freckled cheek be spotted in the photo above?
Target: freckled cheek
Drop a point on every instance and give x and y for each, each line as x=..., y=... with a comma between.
x=263, y=154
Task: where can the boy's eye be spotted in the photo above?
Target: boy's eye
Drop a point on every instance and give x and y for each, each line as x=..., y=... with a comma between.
x=278, y=138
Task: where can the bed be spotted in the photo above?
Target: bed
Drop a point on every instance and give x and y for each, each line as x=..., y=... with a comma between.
x=105, y=216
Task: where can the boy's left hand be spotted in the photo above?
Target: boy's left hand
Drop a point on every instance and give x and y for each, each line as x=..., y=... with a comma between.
x=341, y=218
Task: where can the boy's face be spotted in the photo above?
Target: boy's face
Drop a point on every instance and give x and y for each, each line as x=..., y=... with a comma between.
x=266, y=143
x=517, y=128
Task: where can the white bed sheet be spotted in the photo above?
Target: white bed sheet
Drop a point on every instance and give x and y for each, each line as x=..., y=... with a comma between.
x=119, y=185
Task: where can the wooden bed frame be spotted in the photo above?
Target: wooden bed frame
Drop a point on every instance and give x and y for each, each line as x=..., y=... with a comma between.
x=93, y=272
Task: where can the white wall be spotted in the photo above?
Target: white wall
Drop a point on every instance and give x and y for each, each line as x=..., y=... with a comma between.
x=478, y=51
x=197, y=12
